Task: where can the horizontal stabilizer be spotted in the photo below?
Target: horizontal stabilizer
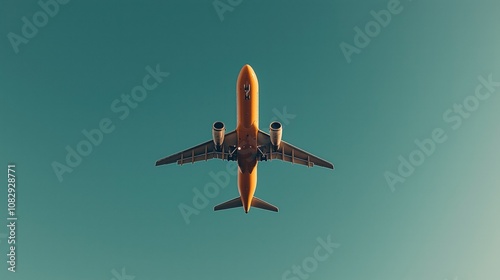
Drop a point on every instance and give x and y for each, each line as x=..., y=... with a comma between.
x=233, y=203
x=259, y=203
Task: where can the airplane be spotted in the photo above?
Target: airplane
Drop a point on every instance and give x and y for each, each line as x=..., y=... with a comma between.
x=247, y=145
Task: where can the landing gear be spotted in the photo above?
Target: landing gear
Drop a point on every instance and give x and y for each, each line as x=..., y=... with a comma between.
x=233, y=152
x=261, y=156
x=246, y=88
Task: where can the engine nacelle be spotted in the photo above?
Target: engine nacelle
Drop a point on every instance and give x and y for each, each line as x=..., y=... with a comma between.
x=218, y=131
x=275, y=130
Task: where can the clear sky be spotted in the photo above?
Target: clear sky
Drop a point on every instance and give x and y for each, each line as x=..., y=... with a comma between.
x=403, y=100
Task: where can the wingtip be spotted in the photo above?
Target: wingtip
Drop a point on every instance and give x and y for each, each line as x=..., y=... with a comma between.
x=330, y=165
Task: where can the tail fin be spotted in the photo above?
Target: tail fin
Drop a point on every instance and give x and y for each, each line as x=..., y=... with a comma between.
x=233, y=203
x=259, y=203
x=236, y=202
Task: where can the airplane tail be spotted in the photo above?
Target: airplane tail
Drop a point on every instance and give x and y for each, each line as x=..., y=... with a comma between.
x=233, y=203
x=236, y=202
x=259, y=203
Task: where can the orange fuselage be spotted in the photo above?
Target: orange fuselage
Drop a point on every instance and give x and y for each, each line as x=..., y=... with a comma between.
x=247, y=99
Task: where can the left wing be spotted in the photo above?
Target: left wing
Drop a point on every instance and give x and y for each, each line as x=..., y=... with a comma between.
x=204, y=151
x=287, y=152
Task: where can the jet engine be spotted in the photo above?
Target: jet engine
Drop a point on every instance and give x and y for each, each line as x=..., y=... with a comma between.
x=218, y=131
x=275, y=130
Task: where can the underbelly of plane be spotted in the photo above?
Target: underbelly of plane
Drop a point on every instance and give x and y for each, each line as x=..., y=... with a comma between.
x=247, y=164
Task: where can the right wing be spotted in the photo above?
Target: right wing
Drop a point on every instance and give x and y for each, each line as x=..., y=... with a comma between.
x=204, y=151
x=288, y=152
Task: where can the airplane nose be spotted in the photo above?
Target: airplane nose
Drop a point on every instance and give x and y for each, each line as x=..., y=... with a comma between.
x=247, y=69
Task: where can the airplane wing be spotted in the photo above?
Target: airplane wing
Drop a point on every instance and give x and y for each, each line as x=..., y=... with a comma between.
x=204, y=151
x=287, y=152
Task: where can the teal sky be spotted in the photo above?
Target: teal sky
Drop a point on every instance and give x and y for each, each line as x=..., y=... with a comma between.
x=115, y=210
